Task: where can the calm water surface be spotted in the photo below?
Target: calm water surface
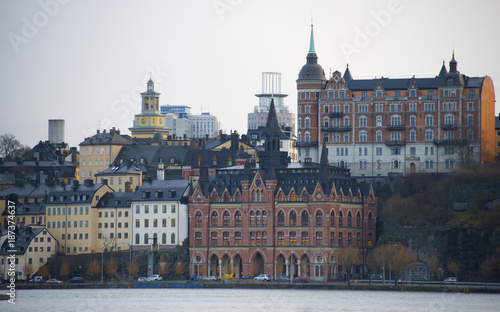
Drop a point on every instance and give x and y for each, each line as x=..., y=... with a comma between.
x=242, y=300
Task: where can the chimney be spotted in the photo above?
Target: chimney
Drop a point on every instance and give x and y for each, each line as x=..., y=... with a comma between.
x=75, y=185
x=128, y=187
x=150, y=180
x=160, y=173
x=98, y=131
x=88, y=182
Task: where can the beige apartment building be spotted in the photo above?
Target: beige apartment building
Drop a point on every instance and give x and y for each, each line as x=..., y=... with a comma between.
x=70, y=216
x=99, y=151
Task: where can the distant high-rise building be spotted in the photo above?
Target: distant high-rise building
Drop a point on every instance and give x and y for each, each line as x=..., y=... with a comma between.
x=203, y=125
x=56, y=130
x=177, y=118
x=271, y=89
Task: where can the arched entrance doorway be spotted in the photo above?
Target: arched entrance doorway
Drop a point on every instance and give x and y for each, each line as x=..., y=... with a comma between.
x=238, y=266
x=304, y=266
x=412, y=167
x=213, y=268
x=293, y=267
x=226, y=265
x=280, y=266
x=258, y=264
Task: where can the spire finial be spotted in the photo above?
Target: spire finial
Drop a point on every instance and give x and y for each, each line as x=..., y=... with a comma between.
x=311, y=42
x=150, y=76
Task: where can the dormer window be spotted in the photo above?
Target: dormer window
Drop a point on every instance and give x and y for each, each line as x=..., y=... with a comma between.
x=413, y=93
x=449, y=81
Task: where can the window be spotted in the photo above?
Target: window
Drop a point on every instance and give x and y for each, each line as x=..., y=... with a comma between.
x=319, y=218
x=305, y=218
x=379, y=121
x=332, y=238
x=215, y=219
x=346, y=121
x=305, y=239
x=395, y=136
x=319, y=238
x=429, y=164
x=362, y=121
x=413, y=150
x=429, y=120
x=449, y=135
x=362, y=136
x=412, y=107
x=395, y=151
x=450, y=163
x=307, y=122
x=428, y=107
x=237, y=238
x=362, y=108
x=362, y=164
x=379, y=108
x=379, y=94
x=225, y=239
x=146, y=222
x=226, y=217
x=378, y=150
x=413, y=135
x=172, y=223
x=378, y=136
x=413, y=93
x=429, y=135
x=281, y=238
x=213, y=238
x=237, y=219
x=281, y=218
x=449, y=120
x=340, y=219
x=470, y=120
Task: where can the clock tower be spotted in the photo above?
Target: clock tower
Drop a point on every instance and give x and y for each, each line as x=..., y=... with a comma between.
x=150, y=121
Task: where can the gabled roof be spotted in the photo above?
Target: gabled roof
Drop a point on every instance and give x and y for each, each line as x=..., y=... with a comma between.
x=161, y=190
x=121, y=169
x=106, y=138
x=23, y=238
x=137, y=152
x=116, y=200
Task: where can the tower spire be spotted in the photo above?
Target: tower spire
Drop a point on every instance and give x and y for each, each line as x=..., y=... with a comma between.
x=311, y=42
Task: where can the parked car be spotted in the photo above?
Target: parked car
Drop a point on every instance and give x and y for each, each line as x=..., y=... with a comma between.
x=53, y=281
x=77, y=280
x=210, y=278
x=37, y=279
x=142, y=279
x=283, y=279
x=300, y=279
x=450, y=280
x=263, y=277
x=154, y=277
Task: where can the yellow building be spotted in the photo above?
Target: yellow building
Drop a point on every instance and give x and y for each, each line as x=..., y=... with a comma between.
x=34, y=248
x=150, y=121
x=70, y=216
x=99, y=151
x=113, y=222
x=121, y=178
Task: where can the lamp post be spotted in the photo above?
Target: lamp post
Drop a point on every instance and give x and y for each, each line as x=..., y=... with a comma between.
x=291, y=266
x=102, y=264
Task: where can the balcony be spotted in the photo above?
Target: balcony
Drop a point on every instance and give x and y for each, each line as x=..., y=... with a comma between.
x=449, y=127
x=396, y=128
x=306, y=144
x=336, y=115
x=395, y=143
x=449, y=142
x=336, y=129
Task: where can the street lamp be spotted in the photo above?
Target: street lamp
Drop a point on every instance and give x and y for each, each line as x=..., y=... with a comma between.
x=102, y=264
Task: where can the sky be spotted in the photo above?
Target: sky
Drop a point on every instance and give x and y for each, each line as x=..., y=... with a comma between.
x=87, y=61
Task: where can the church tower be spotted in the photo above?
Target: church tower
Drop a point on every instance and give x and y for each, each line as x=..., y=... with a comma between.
x=150, y=121
x=310, y=84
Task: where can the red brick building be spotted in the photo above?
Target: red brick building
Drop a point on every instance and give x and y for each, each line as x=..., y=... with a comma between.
x=248, y=219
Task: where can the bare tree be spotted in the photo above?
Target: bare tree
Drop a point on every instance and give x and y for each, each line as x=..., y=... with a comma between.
x=10, y=147
x=487, y=267
x=163, y=268
x=93, y=269
x=180, y=268
x=348, y=257
x=434, y=265
x=397, y=256
x=133, y=268
x=64, y=271
x=27, y=270
x=111, y=267
x=44, y=270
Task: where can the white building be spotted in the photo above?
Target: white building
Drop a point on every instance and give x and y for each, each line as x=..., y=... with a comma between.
x=203, y=125
x=160, y=210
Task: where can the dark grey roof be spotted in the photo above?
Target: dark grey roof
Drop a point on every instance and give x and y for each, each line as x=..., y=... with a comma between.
x=73, y=193
x=106, y=138
x=138, y=152
x=116, y=200
x=23, y=209
x=312, y=70
x=347, y=74
x=392, y=84
x=161, y=190
x=179, y=154
x=120, y=170
x=23, y=239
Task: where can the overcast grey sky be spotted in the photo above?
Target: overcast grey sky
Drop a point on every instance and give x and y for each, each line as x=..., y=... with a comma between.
x=87, y=61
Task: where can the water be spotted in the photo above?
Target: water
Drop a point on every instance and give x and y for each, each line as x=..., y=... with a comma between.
x=242, y=300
